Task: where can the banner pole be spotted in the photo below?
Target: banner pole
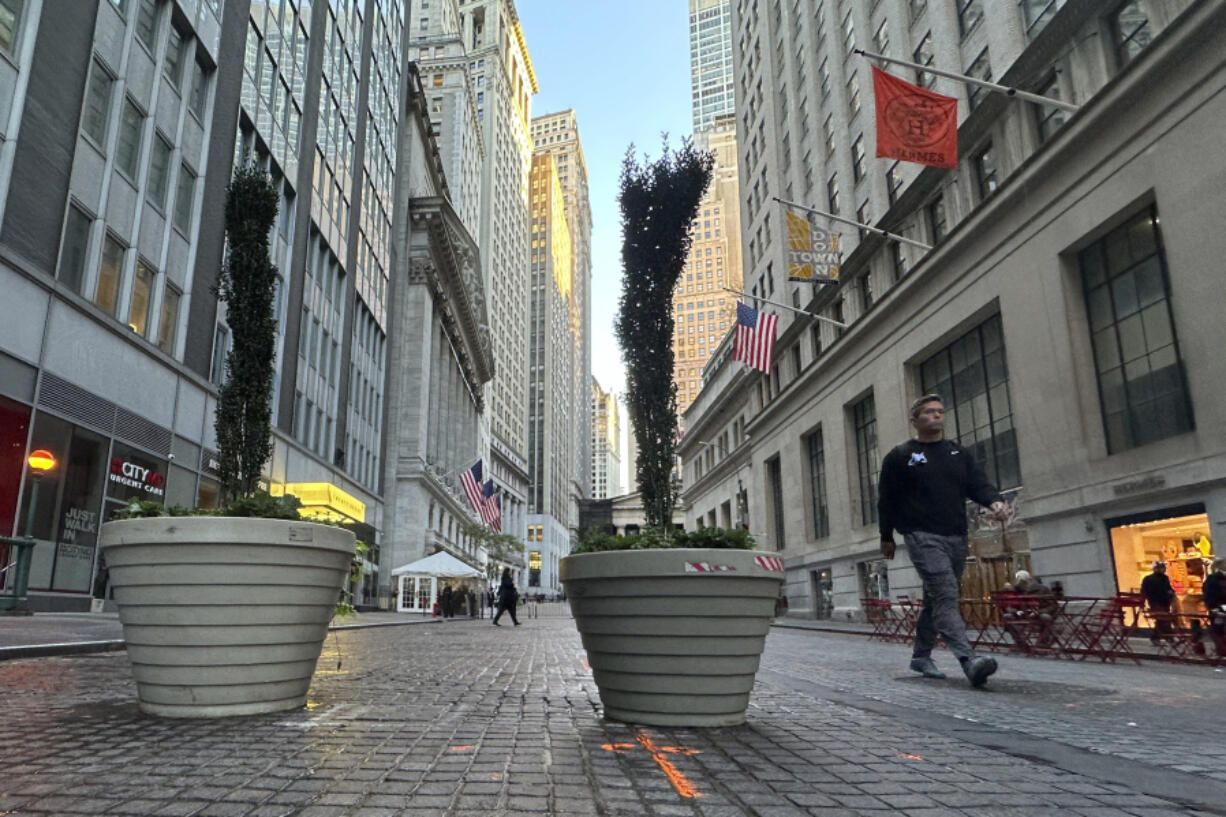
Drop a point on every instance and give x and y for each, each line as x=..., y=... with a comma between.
x=785, y=306
x=870, y=228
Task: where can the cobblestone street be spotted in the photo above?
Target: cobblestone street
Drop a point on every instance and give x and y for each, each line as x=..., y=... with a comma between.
x=460, y=718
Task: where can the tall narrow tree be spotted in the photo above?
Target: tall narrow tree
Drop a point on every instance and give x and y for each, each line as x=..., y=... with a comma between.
x=659, y=201
x=247, y=285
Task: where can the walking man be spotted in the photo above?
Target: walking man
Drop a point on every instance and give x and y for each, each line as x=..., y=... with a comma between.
x=922, y=494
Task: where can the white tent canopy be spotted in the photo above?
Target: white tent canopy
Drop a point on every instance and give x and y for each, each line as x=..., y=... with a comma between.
x=441, y=564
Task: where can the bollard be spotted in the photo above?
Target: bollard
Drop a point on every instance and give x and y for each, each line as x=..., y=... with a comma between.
x=20, y=567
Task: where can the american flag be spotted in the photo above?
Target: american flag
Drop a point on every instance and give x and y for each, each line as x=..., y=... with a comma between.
x=493, y=507
x=755, y=337
x=471, y=480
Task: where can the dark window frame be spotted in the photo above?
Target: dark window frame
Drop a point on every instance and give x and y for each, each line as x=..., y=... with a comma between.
x=864, y=427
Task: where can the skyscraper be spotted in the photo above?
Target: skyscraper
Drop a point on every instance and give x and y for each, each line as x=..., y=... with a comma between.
x=606, y=444
x=711, y=87
x=504, y=81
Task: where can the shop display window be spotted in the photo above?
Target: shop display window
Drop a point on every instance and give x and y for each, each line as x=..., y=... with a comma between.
x=1181, y=540
x=14, y=428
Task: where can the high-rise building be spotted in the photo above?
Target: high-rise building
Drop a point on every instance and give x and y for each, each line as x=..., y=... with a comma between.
x=1020, y=303
x=606, y=444
x=711, y=86
x=557, y=135
x=501, y=73
x=703, y=306
x=123, y=124
x=553, y=357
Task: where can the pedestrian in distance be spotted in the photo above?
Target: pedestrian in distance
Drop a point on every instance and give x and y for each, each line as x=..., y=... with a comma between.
x=922, y=494
x=448, y=601
x=1159, y=595
x=508, y=597
x=1215, y=604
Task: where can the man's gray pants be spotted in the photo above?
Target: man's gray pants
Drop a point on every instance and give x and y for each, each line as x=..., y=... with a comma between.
x=939, y=560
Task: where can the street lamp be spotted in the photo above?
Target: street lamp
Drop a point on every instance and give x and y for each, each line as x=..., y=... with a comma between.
x=40, y=462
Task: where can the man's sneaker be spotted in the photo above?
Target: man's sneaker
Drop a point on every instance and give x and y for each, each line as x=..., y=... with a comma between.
x=926, y=668
x=978, y=669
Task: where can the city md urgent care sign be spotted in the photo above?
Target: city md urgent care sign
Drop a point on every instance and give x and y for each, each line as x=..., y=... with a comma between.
x=131, y=475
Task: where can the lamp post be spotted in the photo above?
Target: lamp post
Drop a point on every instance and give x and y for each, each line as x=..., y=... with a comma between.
x=40, y=462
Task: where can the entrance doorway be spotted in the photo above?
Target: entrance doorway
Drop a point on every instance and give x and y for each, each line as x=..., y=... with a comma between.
x=823, y=593
x=1178, y=537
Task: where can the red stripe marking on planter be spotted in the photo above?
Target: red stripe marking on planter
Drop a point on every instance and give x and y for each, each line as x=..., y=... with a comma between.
x=683, y=786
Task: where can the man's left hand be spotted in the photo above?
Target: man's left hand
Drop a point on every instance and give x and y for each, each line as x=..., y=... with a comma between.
x=1002, y=512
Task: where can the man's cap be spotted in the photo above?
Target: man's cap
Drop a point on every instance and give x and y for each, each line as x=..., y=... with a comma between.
x=1159, y=564
x=1021, y=576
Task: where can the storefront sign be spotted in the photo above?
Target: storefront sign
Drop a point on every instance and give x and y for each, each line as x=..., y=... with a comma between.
x=132, y=475
x=1138, y=486
x=324, y=499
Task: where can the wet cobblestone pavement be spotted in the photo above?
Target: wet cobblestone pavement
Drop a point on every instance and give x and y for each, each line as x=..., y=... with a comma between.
x=465, y=719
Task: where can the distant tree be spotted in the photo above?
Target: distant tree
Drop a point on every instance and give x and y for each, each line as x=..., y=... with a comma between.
x=247, y=284
x=499, y=547
x=659, y=201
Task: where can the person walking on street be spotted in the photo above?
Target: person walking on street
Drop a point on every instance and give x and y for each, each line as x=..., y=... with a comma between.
x=448, y=601
x=508, y=597
x=922, y=494
x=1159, y=595
x=1215, y=603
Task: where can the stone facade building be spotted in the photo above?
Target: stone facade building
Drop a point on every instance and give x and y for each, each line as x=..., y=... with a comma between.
x=1064, y=311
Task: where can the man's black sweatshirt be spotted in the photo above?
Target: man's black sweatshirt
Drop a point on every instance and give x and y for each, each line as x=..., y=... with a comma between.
x=924, y=487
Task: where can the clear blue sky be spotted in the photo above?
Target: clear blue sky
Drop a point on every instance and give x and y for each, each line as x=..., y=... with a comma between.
x=625, y=69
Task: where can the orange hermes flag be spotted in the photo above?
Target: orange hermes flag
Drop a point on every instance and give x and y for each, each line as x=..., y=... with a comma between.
x=913, y=123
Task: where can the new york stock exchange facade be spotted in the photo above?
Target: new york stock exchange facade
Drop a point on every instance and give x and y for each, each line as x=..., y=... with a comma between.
x=1069, y=314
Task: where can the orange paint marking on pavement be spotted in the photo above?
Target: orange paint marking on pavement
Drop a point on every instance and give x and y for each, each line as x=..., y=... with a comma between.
x=466, y=748
x=911, y=757
x=683, y=786
x=616, y=747
x=680, y=750
x=586, y=666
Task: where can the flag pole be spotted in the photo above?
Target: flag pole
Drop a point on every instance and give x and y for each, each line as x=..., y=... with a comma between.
x=785, y=306
x=1007, y=90
x=870, y=228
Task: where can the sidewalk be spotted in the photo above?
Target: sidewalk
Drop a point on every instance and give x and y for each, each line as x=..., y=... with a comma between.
x=44, y=634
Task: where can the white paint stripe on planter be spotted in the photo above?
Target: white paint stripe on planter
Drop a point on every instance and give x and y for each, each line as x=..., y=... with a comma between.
x=224, y=616
x=671, y=645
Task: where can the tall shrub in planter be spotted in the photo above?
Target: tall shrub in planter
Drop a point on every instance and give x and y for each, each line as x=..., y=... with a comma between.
x=659, y=201
x=247, y=285
x=226, y=615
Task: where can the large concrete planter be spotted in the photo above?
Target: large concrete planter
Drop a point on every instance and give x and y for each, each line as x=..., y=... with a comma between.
x=673, y=636
x=222, y=615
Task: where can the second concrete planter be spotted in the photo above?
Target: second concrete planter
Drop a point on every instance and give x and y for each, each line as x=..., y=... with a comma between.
x=224, y=615
x=673, y=636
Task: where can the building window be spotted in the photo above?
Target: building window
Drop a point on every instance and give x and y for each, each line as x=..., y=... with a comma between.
x=923, y=55
x=184, y=199
x=75, y=249
x=1049, y=118
x=981, y=68
x=176, y=57
x=168, y=322
x=127, y=154
x=898, y=260
x=970, y=12
x=200, y=86
x=97, y=103
x=10, y=18
x=984, y=163
x=774, y=481
x=106, y=295
x=142, y=298
x=817, y=484
x=935, y=211
x=1038, y=13
x=828, y=134
x=866, y=293
x=857, y=158
x=1141, y=381
x=864, y=217
x=1130, y=31
x=159, y=172
x=881, y=40
x=832, y=193
x=147, y=24
x=893, y=181
x=853, y=94
x=849, y=33
x=874, y=578
x=917, y=7
x=217, y=371
x=823, y=72
x=864, y=423
x=972, y=377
